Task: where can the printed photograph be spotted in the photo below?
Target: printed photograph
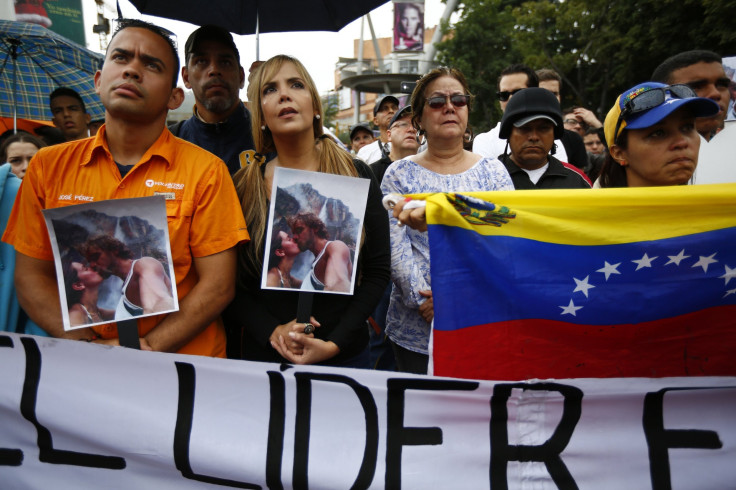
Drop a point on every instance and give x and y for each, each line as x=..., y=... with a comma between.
x=729, y=66
x=113, y=260
x=408, y=26
x=314, y=231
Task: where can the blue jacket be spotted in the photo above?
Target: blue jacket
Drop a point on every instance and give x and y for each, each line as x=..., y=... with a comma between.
x=231, y=140
x=9, y=307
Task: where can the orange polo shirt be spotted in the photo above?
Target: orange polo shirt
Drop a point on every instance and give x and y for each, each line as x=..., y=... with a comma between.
x=202, y=207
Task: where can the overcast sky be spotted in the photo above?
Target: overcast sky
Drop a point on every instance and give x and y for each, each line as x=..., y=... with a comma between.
x=319, y=51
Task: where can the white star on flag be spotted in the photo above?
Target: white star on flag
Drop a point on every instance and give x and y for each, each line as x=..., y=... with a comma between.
x=609, y=269
x=570, y=309
x=730, y=274
x=704, y=262
x=645, y=261
x=676, y=259
x=582, y=285
x=730, y=292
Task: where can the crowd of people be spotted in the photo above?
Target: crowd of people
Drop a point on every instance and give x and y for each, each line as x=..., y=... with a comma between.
x=221, y=162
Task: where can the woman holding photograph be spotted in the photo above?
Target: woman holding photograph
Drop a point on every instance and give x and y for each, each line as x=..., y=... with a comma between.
x=284, y=251
x=287, y=113
x=82, y=291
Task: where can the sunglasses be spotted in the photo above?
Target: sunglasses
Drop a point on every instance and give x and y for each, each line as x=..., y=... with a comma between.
x=506, y=95
x=649, y=99
x=456, y=100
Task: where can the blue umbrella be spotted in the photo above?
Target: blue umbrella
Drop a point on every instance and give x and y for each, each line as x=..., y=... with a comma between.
x=34, y=61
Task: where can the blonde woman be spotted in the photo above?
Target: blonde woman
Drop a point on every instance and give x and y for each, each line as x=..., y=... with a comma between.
x=286, y=116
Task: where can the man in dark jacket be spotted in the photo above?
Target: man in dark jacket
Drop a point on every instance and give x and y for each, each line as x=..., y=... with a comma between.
x=531, y=123
x=221, y=122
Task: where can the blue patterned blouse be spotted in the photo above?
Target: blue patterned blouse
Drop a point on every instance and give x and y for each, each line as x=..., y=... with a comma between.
x=410, y=248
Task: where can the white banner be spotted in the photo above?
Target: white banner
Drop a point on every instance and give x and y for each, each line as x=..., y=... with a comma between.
x=78, y=415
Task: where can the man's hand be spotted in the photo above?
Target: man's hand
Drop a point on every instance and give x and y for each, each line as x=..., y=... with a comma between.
x=201, y=306
x=38, y=294
x=116, y=342
x=587, y=116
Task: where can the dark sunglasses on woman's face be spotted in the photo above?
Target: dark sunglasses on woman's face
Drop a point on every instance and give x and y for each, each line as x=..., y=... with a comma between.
x=650, y=99
x=506, y=95
x=456, y=100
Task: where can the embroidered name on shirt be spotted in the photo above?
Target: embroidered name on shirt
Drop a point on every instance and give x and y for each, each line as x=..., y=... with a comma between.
x=168, y=185
x=76, y=197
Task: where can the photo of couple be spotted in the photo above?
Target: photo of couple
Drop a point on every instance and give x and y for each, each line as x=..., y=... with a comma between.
x=315, y=226
x=111, y=263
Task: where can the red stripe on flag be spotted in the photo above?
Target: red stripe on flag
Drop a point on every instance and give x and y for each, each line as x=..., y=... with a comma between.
x=697, y=344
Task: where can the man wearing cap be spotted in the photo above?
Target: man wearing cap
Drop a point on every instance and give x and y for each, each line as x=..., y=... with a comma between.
x=360, y=136
x=403, y=139
x=531, y=123
x=402, y=136
x=512, y=80
x=221, y=122
x=383, y=111
x=703, y=72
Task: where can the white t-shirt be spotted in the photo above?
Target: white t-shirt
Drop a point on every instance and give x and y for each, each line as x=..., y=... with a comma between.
x=717, y=158
x=372, y=152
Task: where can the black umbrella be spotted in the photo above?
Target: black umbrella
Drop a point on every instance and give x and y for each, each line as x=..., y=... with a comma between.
x=255, y=16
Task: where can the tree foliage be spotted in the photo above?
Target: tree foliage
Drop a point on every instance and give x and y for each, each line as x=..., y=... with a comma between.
x=599, y=47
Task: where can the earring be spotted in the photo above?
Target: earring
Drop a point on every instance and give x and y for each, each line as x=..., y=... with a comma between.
x=623, y=163
x=316, y=116
x=421, y=138
x=263, y=128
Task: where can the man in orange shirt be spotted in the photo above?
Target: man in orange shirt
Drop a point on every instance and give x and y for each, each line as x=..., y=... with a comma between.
x=134, y=155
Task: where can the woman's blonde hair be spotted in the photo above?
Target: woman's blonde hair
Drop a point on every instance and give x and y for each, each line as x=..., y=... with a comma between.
x=249, y=180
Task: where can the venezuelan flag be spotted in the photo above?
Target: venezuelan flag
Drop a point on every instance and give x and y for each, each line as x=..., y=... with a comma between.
x=584, y=283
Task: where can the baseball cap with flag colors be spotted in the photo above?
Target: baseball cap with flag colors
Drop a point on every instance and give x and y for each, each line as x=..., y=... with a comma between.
x=648, y=103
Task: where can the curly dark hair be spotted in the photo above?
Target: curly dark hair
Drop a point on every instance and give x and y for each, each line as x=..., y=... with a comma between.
x=310, y=220
x=106, y=243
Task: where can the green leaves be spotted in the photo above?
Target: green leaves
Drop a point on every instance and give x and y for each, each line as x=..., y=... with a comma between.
x=600, y=47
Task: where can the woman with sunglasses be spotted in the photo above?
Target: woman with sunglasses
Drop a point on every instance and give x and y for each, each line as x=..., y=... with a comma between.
x=287, y=120
x=440, y=104
x=651, y=136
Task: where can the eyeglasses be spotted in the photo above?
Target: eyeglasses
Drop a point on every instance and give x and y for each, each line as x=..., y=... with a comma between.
x=648, y=99
x=506, y=95
x=456, y=100
x=402, y=125
x=571, y=122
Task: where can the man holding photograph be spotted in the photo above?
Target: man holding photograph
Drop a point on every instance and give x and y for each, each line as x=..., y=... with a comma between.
x=332, y=269
x=134, y=155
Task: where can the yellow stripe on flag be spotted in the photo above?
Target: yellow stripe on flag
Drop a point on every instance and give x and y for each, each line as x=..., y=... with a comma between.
x=589, y=217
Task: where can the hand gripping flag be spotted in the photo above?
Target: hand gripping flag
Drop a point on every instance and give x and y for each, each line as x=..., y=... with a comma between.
x=575, y=284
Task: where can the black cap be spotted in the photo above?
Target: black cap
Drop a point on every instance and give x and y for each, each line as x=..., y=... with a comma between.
x=209, y=33
x=364, y=126
x=382, y=100
x=399, y=114
x=532, y=101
